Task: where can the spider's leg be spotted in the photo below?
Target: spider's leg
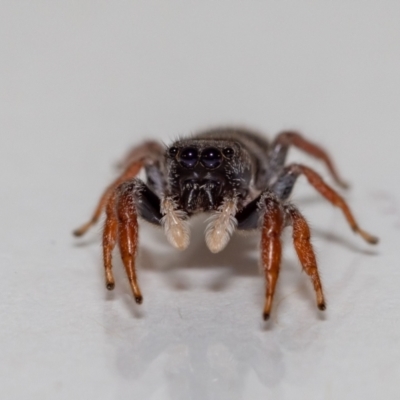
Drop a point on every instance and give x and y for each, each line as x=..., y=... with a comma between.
x=285, y=182
x=130, y=172
x=279, y=149
x=248, y=218
x=140, y=152
x=153, y=153
x=305, y=251
x=127, y=202
x=128, y=234
x=271, y=248
x=142, y=155
x=110, y=233
x=266, y=213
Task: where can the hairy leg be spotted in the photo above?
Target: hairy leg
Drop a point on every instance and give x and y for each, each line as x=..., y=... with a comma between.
x=305, y=251
x=286, y=181
x=128, y=235
x=271, y=248
x=142, y=151
x=146, y=155
x=153, y=153
x=126, y=203
x=110, y=233
x=130, y=172
x=281, y=145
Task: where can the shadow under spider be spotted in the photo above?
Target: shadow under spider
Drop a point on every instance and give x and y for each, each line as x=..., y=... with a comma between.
x=239, y=258
x=344, y=242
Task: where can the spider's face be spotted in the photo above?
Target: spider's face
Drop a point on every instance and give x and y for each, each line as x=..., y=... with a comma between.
x=202, y=172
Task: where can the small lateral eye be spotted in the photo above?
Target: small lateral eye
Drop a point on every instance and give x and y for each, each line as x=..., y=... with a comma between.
x=173, y=151
x=228, y=152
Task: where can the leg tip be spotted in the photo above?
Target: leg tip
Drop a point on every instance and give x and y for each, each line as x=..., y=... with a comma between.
x=139, y=299
x=266, y=316
x=343, y=185
x=110, y=285
x=77, y=232
x=322, y=306
x=366, y=236
x=373, y=240
x=84, y=228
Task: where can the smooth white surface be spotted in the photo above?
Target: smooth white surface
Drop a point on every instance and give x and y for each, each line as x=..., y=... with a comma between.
x=82, y=81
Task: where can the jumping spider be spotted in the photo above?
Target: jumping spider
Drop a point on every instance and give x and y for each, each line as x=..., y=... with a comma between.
x=235, y=175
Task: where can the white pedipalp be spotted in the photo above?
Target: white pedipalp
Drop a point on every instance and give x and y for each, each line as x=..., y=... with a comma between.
x=221, y=226
x=175, y=226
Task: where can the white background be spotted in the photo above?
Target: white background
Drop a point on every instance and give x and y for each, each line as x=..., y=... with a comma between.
x=81, y=82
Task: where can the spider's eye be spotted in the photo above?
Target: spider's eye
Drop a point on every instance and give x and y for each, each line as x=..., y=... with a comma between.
x=228, y=152
x=211, y=158
x=188, y=157
x=173, y=151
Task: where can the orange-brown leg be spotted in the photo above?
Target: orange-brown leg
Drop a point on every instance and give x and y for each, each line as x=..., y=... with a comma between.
x=271, y=249
x=128, y=236
x=305, y=252
x=290, y=138
x=109, y=239
x=147, y=149
x=332, y=196
x=130, y=172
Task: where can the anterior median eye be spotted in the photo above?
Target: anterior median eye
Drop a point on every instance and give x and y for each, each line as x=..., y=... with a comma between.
x=211, y=158
x=188, y=157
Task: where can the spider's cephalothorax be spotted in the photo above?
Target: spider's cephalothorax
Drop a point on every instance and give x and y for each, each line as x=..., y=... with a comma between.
x=235, y=175
x=202, y=172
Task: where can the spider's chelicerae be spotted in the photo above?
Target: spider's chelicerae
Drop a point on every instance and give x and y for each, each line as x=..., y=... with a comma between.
x=235, y=175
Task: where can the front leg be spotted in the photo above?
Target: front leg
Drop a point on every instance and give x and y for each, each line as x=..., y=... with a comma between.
x=127, y=202
x=266, y=213
x=271, y=247
x=147, y=155
x=305, y=251
x=279, y=149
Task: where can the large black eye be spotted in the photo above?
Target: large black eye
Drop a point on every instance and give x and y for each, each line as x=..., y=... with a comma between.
x=211, y=158
x=188, y=157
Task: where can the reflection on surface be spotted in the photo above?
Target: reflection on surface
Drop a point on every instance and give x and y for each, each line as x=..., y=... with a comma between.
x=199, y=334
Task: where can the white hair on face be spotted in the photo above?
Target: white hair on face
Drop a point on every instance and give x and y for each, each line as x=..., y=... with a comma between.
x=221, y=226
x=175, y=226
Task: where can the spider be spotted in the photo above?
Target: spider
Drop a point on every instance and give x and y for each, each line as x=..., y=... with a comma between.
x=234, y=174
